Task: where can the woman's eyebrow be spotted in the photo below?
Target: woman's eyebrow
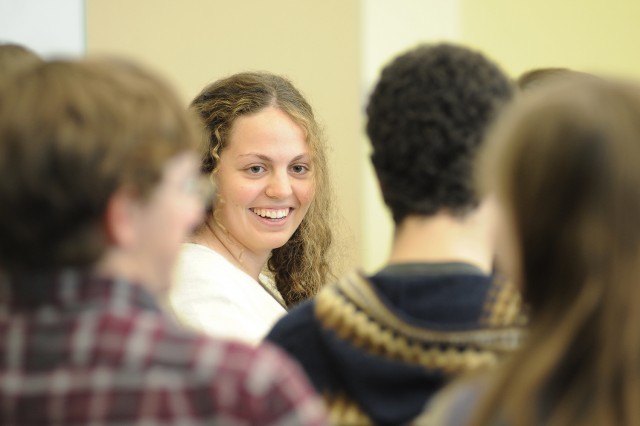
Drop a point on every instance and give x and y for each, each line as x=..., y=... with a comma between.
x=255, y=154
x=300, y=157
x=267, y=158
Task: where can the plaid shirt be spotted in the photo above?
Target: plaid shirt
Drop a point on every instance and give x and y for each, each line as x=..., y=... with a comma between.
x=80, y=350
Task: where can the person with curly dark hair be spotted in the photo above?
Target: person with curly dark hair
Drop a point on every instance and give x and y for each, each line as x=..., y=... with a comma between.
x=378, y=347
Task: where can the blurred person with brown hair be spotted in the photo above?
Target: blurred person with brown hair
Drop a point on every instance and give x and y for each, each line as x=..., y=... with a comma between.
x=15, y=58
x=564, y=165
x=99, y=188
x=378, y=347
x=537, y=77
x=268, y=243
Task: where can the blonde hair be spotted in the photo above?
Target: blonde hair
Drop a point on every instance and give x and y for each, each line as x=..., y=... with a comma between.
x=564, y=162
x=302, y=265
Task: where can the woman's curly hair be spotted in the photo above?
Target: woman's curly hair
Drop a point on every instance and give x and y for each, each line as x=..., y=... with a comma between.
x=426, y=117
x=302, y=265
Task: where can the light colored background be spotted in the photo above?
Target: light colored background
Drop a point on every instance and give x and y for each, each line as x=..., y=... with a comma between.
x=333, y=51
x=49, y=28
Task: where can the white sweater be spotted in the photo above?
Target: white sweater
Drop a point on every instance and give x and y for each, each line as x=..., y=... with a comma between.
x=213, y=296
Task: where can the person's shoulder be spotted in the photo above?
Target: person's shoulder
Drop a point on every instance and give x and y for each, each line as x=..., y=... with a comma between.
x=202, y=272
x=150, y=339
x=195, y=260
x=252, y=383
x=456, y=404
x=237, y=357
x=296, y=321
x=311, y=314
x=207, y=358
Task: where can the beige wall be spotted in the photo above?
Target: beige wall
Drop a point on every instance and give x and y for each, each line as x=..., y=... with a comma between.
x=589, y=35
x=193, y=42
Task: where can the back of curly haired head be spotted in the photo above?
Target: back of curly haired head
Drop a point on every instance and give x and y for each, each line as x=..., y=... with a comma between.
x=426, y=118
x=302, y=265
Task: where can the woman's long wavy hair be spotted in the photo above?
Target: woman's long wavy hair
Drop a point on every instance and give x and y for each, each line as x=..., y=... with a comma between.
x=564, y=162
x=303, y=264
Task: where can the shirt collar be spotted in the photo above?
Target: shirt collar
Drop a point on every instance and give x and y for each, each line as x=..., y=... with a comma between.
x=430, y=268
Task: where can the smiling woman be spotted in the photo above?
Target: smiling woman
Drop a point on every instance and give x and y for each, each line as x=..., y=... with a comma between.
x=265, y=245
x=266, y=187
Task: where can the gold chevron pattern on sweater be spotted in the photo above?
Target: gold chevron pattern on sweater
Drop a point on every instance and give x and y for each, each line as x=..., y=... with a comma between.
x=353, y=311
x=344, y=411
x=503, y=306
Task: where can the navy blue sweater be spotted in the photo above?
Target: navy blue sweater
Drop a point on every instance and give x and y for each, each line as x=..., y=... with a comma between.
x=378, y=348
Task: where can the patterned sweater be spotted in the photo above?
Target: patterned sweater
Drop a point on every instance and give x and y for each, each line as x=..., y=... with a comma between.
x=378, y=348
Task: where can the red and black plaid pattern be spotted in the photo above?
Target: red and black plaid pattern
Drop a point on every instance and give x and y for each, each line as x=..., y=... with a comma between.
x=79, y=350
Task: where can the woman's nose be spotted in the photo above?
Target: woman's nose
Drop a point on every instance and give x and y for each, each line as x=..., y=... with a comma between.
x=279, y=186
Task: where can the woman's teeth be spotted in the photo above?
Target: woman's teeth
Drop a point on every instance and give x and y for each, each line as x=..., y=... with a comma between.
x=271, y=213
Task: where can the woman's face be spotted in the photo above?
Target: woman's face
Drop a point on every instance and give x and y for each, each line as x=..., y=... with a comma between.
x=265, y=179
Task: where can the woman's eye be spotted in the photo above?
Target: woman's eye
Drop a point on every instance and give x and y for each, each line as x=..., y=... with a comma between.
x=299, y=169
x=255, y=169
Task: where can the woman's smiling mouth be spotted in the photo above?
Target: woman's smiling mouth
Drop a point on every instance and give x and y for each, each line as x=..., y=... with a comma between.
x=272, y=213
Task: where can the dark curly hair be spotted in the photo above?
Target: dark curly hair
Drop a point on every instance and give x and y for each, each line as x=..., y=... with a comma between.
x=426, y=117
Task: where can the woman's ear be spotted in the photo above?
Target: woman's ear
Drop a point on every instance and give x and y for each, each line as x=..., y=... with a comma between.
x=120, y=219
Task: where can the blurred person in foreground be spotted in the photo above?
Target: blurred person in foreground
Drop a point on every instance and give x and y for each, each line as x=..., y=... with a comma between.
x=378, y=347
x=98, y=188
x=539, y=77
x=15, y=58
x=564, y=165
